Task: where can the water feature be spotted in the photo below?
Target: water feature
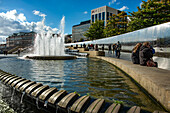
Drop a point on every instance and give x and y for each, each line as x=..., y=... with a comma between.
x=90, y=76
x=49, y=44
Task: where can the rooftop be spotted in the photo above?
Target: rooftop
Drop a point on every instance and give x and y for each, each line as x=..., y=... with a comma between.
x=83, y=22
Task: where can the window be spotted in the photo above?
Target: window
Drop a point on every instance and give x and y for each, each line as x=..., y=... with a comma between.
x=95, y=17
x=99, y=16
x=92, y=18
x=107, y=15
x=111, y=14
x=103, y=15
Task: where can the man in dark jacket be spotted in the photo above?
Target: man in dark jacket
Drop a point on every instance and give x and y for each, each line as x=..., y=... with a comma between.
x=145, y=54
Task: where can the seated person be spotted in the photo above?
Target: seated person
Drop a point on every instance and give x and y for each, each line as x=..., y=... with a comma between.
x=145, y=55
x=135, y=53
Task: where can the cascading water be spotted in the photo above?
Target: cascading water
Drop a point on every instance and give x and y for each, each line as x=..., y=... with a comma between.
x=49, y=44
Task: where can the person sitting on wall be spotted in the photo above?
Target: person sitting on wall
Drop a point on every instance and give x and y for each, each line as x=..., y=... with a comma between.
x=145, y=56
x=135, y=53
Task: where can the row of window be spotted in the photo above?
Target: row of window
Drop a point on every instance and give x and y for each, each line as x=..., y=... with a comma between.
x=101, y=16
x=21, y=38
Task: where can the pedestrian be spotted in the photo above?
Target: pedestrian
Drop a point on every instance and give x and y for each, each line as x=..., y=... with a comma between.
x=84, y=45
x=117, y=49
x=113, y=48
x=19, y=52
x=103, y=47
x=96, y=47
x=110, y=49
x=135, y=53
x=145, y=56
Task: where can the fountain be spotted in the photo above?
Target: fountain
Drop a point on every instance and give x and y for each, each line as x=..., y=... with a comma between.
x=50, y=46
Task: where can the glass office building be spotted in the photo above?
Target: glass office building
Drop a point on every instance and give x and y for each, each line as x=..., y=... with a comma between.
x=79, y=30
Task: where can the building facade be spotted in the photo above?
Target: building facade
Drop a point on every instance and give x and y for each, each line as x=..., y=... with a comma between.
x=21, y=39
x=103, y=13
x=68, y=38
x=79, y=30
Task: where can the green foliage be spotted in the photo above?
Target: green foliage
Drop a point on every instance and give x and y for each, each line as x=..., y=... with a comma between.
x=95, y=31
x=77, y=93
x=81, y=40
x=151, y=13
x=117, y=24
x=118, y=102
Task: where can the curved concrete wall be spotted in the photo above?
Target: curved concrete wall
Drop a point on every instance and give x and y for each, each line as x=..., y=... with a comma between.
x=154, y=80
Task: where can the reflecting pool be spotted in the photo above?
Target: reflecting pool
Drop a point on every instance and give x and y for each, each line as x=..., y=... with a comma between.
x=90, y=76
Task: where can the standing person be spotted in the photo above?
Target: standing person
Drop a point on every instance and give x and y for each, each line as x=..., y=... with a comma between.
x=145, y=55
x=117, y=49
x=19, y=52
x=96, y=47
x=113, y=48
x=84, y=45
x=103, y=47
x=110, y=49
x=135, y=53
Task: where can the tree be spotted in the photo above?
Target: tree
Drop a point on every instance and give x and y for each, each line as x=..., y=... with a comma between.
x=122, y=22
x=96, y=30
x=151, y=13
x=111, y=27
x=117, y=24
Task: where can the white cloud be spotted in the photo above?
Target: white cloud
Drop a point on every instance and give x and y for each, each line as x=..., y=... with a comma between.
x=14, y=22
x=36, y=12
x=21, y=17
x=85, y=12
x=112, y=2
x=39, y=13
x=123, y=8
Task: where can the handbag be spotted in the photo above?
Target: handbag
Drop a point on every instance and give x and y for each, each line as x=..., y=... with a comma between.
x=150, y=63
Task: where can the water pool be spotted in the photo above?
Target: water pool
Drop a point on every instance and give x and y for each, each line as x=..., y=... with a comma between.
x=95, y=77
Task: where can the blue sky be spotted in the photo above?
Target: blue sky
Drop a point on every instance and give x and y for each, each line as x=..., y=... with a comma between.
x=74, y=11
